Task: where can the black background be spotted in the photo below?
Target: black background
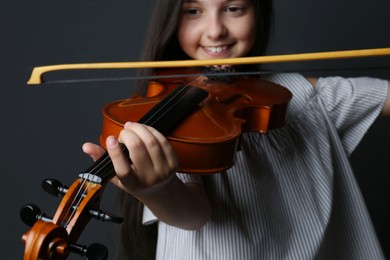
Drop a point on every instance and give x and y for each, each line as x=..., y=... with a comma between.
x=44, y=126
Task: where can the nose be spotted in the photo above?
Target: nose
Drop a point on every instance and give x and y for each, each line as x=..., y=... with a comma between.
x=216, y=27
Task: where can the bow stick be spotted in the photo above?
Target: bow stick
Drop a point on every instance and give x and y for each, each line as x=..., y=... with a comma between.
x=37, y=73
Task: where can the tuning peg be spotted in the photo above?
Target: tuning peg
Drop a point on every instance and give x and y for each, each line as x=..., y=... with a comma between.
x=101, y=215
x=54, y=187
x=30, y=213
x=93, y=252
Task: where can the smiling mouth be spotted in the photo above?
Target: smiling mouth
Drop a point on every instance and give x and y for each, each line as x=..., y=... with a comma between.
x=217, y=49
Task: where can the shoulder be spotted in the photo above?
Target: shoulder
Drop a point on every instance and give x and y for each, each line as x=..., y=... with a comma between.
x=352, y=90
x=336, y=92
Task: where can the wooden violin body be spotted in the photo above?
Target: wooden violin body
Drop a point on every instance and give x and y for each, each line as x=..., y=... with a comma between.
x=206, y=140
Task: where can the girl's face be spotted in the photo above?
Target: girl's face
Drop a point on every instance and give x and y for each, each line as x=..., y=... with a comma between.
x=211, y=29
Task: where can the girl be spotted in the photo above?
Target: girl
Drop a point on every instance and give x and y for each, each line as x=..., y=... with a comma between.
x=291, y=193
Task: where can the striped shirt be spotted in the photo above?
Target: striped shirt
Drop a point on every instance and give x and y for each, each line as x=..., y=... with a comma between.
x=291, y=194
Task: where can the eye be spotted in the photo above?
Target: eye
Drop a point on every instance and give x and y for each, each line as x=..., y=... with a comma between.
x=235, y=9
x=191, y=12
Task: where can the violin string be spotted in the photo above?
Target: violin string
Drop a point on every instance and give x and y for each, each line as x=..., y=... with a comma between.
x=96, y=170
x=84, y=185
x=165, y=104
x=72, y=208
x=107, y=160
x=80, y=195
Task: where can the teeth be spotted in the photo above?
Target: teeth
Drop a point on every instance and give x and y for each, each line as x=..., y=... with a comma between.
x=216, y=49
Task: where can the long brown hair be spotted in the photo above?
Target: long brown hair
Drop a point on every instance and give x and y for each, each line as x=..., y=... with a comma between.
x=136, y=240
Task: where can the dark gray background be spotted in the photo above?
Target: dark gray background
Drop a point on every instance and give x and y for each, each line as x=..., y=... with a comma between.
x=44, y=126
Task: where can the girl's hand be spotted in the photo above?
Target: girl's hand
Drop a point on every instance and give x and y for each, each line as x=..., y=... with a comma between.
x=152, y=158
x=154, y=162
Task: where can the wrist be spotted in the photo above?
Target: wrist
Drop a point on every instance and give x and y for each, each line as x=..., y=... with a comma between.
x=152, y=191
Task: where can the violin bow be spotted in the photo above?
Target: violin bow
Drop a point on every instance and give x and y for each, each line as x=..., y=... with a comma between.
x=37, y=73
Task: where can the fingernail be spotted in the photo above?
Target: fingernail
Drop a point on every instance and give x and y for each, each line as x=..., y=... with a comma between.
x=128, y=123
x=111, y=141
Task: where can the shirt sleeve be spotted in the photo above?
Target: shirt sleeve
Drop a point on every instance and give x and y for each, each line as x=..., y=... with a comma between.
x=353, y=105
x=148, y=217
x=189, y=178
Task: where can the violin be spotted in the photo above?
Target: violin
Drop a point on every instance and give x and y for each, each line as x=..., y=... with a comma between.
x=202, y=118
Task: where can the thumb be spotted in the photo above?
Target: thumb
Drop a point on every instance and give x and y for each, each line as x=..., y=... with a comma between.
x=93, y=150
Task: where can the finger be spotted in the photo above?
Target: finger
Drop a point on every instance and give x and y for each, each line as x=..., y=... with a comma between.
x=133, y=137
x=121, y=164
x=93, y=150
x=170, y=158
x=152, y=141
x=161, y=152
